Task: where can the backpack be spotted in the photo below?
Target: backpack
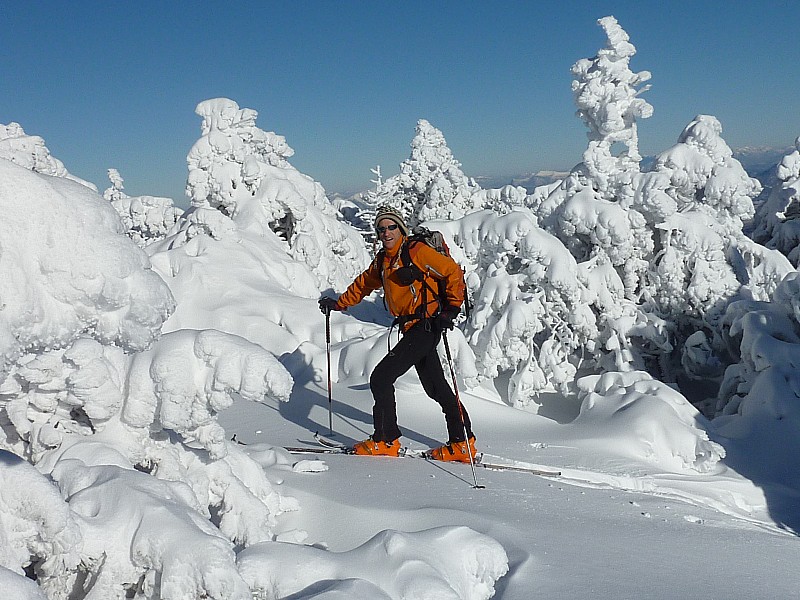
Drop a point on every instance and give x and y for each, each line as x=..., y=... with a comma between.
x=408, y=273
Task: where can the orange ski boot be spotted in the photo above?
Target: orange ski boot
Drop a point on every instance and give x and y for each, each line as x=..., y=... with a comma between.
x=370, y=447
x=455, y=451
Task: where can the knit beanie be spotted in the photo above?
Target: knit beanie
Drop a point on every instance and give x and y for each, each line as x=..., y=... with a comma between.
x=387, y=212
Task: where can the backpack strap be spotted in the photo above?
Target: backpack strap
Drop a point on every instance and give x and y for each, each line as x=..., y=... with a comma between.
x=406, y=261
x=405, y=256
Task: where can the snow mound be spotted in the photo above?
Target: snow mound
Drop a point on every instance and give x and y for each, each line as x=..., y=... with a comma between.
x=147, y=534
x=646, y=419
x=19, y=587
x=161, y=395
x=35, y=525
x=445, y=563
x=67, y=270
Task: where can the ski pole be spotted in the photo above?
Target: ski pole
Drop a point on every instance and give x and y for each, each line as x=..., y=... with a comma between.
x=328, y=352
x=460, y=410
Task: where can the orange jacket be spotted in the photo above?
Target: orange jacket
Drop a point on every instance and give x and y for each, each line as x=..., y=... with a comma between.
x=407, y=299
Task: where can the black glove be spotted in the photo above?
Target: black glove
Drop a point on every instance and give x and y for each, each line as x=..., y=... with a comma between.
x=446, y=319
x=326, y=305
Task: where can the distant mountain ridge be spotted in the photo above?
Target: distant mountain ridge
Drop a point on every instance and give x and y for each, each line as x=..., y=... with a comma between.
x=758, y=161
x=529, y=181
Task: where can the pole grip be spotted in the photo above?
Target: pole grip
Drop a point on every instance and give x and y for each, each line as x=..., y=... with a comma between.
x=328, y=326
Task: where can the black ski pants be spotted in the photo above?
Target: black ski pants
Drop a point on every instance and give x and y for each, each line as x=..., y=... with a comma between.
x=416, y=348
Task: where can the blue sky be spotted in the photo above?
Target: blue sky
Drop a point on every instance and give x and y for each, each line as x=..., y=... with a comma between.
x=115, y=84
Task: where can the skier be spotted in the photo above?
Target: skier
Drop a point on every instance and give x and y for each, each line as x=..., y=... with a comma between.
x=421, y=319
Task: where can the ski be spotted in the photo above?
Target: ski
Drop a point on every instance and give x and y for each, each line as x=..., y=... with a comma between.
x=328, y=443
x=307, y=450
x=489, y=463
x=493, y=463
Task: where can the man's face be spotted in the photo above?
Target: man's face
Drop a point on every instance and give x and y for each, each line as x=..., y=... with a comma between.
x=389, y=233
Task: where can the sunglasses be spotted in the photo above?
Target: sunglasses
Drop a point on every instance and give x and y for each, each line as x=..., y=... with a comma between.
x=391, y=227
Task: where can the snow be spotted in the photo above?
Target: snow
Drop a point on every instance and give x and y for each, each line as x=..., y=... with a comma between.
x=156, y=369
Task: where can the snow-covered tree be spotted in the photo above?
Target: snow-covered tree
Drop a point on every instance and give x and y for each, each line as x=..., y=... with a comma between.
x=777, y=221
x=430, y=184
x=591, y=211
x=105, y=408
x=241, y=181
x=364, y=208
x=762, y=388
x=147, y=219
x=607, y=93
x=539, y=314
x=30, y=152
x=697, y=197
x=501, y=200
x=673, y=234
x=62, y=279
x=117, y=189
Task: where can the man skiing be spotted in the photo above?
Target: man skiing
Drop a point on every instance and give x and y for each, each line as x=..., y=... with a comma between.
x=411, y=297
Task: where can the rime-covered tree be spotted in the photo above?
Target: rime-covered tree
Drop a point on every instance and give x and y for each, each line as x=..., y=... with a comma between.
x=763, y=384
x=539, y=314
x=116, y=191
x=696, y=198
x=591, y=211
x=147, y=219
x=673, y=235
x=777, y=221
x=241, y=181
x=30, y=152
x=105, y=407
x=430, y=184
x=607, y=94
x=365, y=216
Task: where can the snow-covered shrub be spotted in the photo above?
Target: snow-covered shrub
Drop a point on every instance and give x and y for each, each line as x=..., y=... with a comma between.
x=430, y=184
x=126, y=547
x=501, y=200
x=758, y=403
x=147, y=219
x=765, y=337
x=30, y=152
x=37, y=529
x=539, y=314
x=702, y=261
x=142, y=535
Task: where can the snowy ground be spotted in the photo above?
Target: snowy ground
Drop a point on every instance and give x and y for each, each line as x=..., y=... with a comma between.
x=610, y=527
